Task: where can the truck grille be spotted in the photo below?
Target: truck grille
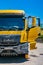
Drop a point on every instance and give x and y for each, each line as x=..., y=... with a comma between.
x=8, y=52
x=9, y=39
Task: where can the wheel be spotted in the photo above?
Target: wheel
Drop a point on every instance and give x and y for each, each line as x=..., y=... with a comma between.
x=27, y=56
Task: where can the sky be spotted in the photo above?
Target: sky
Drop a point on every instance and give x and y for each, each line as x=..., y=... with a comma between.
x=31, y=7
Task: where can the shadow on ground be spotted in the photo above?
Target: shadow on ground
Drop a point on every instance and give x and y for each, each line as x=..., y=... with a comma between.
x=39, y=40
x=12, y=59
x=34, y=55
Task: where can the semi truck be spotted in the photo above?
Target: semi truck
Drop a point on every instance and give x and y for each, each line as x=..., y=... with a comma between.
x=16, y=37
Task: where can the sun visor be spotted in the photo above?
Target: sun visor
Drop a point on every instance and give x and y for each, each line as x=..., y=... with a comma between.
x=12, y=13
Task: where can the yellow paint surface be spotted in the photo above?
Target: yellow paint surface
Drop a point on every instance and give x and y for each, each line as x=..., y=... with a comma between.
x=41, y=32
x=12, y=11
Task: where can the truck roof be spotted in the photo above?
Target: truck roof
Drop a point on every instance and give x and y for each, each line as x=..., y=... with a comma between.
x=12, y=12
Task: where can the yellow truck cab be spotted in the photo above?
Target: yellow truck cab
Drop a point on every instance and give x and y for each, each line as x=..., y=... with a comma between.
x=15, y=34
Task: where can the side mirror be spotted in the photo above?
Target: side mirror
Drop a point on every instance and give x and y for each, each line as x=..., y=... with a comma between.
x=38, y=21
x=31, y=21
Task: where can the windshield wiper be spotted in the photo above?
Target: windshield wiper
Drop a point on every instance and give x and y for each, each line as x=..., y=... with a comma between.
x=10, y=28
x=14, y=28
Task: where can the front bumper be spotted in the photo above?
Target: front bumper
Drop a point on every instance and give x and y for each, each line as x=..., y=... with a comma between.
x=14, y=50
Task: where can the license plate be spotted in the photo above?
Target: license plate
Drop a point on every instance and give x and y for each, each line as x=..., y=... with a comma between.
x=8, y=48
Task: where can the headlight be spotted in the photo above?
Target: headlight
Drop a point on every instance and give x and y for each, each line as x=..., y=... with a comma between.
x=24, y=46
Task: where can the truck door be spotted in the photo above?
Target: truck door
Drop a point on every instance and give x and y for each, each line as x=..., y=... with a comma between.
x=33, y=31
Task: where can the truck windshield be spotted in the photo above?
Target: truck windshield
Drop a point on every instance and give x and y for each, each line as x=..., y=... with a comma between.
x=11, y=24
